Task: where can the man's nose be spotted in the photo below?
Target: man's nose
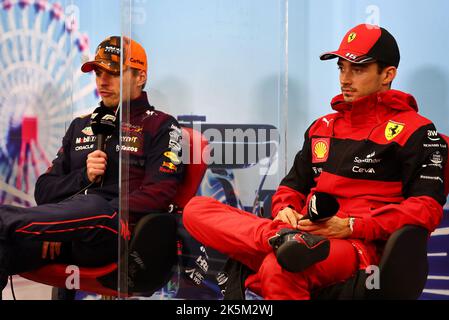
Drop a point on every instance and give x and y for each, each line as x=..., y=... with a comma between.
x=345, y=78
x=104, y=77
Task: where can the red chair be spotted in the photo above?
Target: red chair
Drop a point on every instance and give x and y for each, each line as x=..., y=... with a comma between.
x=155, y=228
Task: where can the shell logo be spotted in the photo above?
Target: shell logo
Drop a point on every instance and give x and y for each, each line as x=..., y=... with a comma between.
x=320, y=149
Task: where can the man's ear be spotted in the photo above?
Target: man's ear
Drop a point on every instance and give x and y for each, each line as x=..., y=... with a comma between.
x=141, y=78
x=389, y=75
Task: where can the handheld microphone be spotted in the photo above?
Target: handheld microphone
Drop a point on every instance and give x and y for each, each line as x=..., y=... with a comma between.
x=322, y=206
x=102, y=123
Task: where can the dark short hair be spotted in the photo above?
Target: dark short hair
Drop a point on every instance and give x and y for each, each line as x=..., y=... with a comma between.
x=382, y=65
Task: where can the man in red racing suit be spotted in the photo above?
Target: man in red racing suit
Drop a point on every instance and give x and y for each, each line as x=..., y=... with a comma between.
x=376, y=155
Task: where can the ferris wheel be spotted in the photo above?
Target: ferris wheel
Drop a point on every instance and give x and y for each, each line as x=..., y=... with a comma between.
x=41, y=89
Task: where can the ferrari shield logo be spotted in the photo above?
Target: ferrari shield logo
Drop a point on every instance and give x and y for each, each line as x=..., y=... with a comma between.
x=352, y=37
x=393, y=129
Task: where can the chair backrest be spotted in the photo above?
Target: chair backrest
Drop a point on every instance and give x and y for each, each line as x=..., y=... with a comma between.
x=403, y=267
x=194, y=155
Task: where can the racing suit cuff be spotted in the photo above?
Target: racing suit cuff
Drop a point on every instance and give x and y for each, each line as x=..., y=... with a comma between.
x=358, y=228
x=289, y=206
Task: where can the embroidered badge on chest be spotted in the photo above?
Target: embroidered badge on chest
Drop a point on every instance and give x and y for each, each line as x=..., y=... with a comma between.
x=320, y=149
x=88, y=131
x=393, y=129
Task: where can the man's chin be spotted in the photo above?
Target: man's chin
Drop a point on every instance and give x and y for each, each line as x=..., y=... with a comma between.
x=348, y=98
x=110, y=103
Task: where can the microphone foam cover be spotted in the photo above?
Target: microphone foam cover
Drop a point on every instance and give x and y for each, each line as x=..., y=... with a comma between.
x=322, y=206
x=102, y=121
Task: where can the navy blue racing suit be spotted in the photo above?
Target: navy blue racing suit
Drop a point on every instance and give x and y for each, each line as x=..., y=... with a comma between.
x=87, y=223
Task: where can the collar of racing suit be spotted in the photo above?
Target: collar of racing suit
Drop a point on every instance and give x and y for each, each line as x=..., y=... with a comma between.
x=373, y=110
x=139, y=104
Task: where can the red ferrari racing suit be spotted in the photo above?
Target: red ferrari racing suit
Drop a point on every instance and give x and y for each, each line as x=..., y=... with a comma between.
x=382, y=161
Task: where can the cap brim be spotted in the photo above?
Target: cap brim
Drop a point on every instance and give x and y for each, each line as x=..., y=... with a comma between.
x=347, y=56
x=92, y=65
